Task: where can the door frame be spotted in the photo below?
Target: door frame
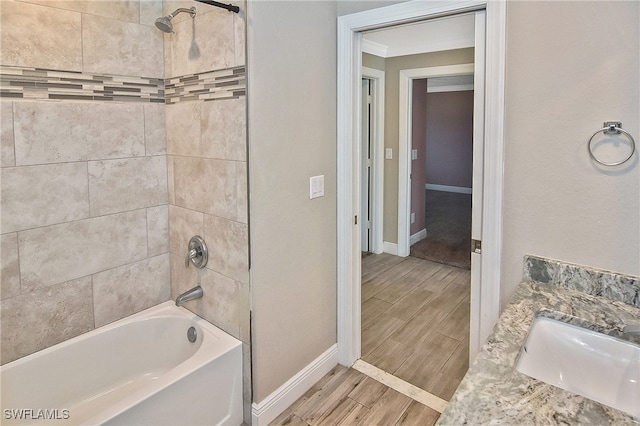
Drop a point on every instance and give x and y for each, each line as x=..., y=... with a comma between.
x=349, y=59
x=377, y=157
x=404, y=142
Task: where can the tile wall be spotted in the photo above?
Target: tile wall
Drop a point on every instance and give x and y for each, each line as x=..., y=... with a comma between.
x=84, y=199
x=119, y=143
x=207, y=165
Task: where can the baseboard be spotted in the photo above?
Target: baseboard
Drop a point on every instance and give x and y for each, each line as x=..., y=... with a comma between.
x=420, y=235
x=272, y=406
x=391, y=248
x=447, y=188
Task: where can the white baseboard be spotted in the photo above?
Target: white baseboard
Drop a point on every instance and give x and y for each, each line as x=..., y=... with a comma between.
x=263, y=412
x=391, y=248
x=447, y=188
x=420, y=235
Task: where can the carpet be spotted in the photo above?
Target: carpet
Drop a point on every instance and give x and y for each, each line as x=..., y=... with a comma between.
x=448, y=223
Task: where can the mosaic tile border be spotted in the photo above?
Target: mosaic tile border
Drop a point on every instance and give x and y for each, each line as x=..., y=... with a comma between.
x=597, y=282
x=207, y=86
x=43, y=84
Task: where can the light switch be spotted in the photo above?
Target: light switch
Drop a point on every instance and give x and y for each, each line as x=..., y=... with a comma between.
x=414, y=154
x=316, y=186
x=388, y=153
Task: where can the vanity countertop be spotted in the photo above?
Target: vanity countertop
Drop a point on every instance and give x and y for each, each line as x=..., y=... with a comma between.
x=494, y=392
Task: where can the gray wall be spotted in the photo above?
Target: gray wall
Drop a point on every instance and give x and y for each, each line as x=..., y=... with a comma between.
x=292, y=136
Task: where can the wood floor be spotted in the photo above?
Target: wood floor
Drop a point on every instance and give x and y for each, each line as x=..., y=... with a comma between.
x=415, y=325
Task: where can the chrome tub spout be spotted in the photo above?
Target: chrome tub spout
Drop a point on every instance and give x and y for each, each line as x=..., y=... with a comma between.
x=194, y=293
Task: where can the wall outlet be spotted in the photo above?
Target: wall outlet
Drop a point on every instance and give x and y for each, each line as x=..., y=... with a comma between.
x=388, y=153
x=414, y=154
x=316, y=186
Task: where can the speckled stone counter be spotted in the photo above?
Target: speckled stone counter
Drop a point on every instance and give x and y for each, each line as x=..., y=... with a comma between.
x=494, y=392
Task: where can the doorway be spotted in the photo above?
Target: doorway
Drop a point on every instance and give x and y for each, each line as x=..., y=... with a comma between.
x=485, y=303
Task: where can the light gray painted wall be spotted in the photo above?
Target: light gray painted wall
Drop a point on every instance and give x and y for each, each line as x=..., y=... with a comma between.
x=292, y=136
x=560, y=89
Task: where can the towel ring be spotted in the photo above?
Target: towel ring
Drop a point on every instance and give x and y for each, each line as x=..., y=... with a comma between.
x=612, y=127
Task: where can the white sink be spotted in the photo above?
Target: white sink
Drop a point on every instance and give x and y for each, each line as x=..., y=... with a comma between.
x=591, y=364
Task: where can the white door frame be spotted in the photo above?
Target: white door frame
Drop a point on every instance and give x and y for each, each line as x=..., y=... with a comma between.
x=348, y=160
x=404, y=142
x=377, y=157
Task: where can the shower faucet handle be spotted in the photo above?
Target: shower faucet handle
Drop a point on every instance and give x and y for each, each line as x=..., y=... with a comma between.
x=197, y=253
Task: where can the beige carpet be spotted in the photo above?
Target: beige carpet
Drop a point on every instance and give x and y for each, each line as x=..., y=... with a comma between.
x=448, y=223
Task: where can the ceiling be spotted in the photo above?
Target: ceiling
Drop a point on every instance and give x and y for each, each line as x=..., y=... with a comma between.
x=422, y=37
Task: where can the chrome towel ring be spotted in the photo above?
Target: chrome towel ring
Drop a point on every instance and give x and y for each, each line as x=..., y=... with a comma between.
x=612, y=128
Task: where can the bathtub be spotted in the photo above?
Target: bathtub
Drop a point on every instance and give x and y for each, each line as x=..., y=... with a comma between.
x=140, y=370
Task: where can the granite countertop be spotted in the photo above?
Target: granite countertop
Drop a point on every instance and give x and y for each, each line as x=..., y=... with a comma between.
x=494, y=392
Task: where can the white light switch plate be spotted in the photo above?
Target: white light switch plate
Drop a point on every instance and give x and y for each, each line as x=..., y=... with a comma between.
x=316, y=186
x=414, y=154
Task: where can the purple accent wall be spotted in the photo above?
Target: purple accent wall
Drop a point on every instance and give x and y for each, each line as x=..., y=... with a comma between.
x=418, y=166
x=449, y=138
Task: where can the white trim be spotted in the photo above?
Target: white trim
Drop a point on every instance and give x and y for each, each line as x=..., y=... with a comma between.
x=377, y=160
x=349, y=59
x=448, y=188
x=417, y=394
x=390, y=248
x=457, y=88
x=265, y=411
x=418, y=236
x=404, y=141
x=373, y=48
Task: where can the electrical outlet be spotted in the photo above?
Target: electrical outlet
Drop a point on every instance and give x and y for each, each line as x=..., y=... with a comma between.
x=414, y=154
x=388, y=153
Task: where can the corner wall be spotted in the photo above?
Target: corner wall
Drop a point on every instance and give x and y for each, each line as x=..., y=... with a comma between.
x=81, y=119
x=292, y=125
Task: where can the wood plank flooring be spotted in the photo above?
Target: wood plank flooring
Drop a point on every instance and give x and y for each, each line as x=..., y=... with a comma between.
x=415, y=325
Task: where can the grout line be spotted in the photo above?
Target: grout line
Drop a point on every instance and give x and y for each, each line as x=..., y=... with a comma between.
x=413, y=392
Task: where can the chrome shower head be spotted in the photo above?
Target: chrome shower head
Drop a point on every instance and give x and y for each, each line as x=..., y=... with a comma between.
x=164, y=23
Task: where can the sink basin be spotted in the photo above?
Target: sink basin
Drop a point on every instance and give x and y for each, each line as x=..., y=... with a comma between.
x=591, y=364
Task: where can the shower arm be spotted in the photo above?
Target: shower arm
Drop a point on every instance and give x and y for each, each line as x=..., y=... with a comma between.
x=229, y=7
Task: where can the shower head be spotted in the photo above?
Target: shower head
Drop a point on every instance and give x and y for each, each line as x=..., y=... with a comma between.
x=164, y=23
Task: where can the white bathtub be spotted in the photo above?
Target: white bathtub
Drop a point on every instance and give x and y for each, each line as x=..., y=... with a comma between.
x=141, y=370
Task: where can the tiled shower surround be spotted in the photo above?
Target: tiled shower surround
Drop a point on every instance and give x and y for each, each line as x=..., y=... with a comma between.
x=119, y=143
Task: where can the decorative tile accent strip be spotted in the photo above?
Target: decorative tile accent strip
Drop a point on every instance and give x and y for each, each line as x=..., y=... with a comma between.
x=41, y=84
x=597, y=282
x=207, y=86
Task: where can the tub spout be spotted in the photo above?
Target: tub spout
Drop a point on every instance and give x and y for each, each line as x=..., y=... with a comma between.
x=194, y=293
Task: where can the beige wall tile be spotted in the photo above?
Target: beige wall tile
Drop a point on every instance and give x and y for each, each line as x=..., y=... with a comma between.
x=10, y=273
x=205, y=185
x=7, y=155
x=59, y=253
x=221, y=303
x=154, y=129
x=239, y=33
x=39, y=36
x=170, y=180
x=124, y=10
x=183, y=128
x=242, y=192
x=62, y=132
x=183, y=278
x=129, y=184
x=224, y=129
x=123, y=291
x=157, y=230
x=229, y=247
x=150, y=10
x=43, y=318
x=116, y=47
x=43, y=195
x=202, y=44
x=183, y=224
